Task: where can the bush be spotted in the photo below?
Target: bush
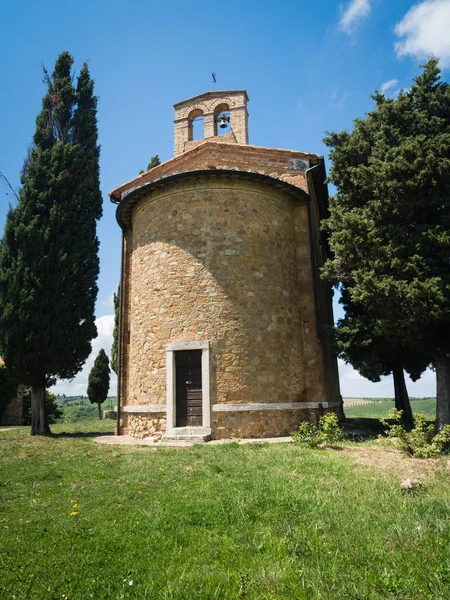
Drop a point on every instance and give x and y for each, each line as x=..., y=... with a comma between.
x=53, y=411
x=8, y=388
x=422, y=440
x=327, y=434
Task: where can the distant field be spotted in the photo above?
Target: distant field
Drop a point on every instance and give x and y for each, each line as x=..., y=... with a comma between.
x=383, y=405
x=77, y=408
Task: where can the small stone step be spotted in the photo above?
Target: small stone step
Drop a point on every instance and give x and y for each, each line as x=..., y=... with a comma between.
x=193, y=439
x=193, y=435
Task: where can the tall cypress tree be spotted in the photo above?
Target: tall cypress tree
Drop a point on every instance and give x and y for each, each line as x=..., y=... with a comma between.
x=115, y=344
x=98, y=382
x=389, y=223
x=49, y=253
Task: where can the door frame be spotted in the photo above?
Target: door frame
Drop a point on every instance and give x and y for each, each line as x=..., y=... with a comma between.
x=171, y=386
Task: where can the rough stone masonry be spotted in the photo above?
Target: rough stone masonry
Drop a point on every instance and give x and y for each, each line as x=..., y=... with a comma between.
x=224, y=318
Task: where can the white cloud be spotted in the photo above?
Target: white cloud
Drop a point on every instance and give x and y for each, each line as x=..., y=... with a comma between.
x=78, y=386
x=426, y=30
x=353, y=385
x=108, y=302
x=387, y=85
x=338, y=98
x=353, y=14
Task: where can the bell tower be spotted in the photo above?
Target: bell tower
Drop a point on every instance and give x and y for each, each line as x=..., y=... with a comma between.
x=218, y=109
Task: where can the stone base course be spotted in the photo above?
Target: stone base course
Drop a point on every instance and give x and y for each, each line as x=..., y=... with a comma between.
x=243, y=424
x=140, y=426
x=259, y=424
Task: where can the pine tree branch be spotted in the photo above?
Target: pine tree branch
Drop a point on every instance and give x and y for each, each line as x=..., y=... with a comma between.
x=6, y=181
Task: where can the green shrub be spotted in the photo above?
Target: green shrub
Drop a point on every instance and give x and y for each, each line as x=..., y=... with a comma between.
x=326, y=434
x=422, y=440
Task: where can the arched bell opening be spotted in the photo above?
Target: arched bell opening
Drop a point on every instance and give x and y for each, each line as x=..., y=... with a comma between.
x=222, y=123
x=196, y=127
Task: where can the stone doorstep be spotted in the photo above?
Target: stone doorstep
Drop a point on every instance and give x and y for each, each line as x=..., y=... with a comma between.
x=195, y=435
x=126, y=440
x=193, y=439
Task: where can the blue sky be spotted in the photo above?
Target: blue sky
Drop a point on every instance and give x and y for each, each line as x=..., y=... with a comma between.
x=308, y=67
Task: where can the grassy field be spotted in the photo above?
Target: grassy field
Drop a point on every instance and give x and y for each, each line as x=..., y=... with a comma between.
x=381, y=408
x=80, y=520
x=77, y=408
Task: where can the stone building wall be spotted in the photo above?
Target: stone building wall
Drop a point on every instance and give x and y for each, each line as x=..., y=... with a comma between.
x=228, y=261
x=12, y=414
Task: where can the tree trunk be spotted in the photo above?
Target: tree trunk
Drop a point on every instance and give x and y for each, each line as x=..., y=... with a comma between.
x=401, y=394
x=100, y=416
x=39, y=425
x=442, y=364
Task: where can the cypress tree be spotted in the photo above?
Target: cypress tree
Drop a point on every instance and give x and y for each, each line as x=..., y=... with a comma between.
x=98, y=382
x=115, y=343
x=390, y=221
x=49, y=252
x=154, y=162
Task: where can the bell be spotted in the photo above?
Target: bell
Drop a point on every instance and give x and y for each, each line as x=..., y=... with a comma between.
x=223, y=120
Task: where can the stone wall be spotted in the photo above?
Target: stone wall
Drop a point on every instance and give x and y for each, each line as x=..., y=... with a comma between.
x=12, y=414
x=259, y=424
x=228, y=261
x=144, y=425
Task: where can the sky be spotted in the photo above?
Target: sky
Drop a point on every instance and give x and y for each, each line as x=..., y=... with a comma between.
x=308, y=67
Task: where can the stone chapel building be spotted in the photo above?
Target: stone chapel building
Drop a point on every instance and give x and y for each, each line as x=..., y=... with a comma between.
x=224, y=321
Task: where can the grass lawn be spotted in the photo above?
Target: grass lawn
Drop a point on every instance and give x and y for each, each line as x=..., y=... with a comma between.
x=217, y=522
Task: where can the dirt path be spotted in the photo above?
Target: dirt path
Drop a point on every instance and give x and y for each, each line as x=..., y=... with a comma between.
x=390, y=461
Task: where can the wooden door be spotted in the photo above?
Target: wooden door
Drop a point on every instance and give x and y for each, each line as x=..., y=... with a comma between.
x=188, y=370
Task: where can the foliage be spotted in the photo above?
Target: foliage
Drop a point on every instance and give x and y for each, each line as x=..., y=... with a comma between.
x=8, y=388
x=326, y=434
x=228, y=521
x=98, y=381
x=49, y=253
x=154, y=162
x=115, y=343
x=52, y=410
x=389, y=223
x=422, y=440
x=77, y=414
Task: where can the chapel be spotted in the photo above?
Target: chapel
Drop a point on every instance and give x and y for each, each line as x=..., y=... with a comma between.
x=224, y=322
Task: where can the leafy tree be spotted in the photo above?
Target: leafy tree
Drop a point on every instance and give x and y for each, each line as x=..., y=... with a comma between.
x=49, y=252
x=154, y=162
x=8, y=388
x=115, y=344
x=98, y=382
x=389, y=223
x=52, y=410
